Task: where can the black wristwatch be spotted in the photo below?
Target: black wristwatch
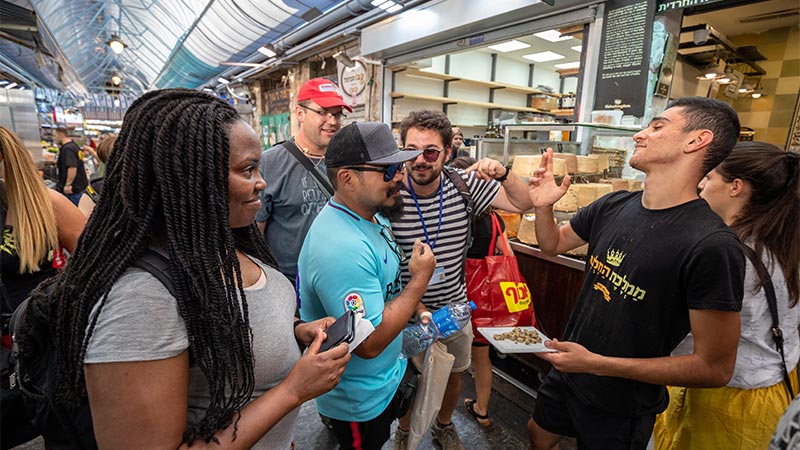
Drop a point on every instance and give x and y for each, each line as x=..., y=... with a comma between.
x=505, y=175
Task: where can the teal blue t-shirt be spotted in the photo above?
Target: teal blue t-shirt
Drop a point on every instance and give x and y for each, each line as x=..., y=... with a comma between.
x=347, y=262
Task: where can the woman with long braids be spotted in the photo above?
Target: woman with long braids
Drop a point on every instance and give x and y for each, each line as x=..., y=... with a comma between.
x=756, y=190
x=37, y=223
x=218, y=365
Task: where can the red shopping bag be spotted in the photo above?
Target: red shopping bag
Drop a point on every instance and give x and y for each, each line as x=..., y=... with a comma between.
x=498, y=289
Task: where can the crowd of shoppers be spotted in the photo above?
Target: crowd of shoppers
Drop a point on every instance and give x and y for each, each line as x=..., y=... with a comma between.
x=360, y=225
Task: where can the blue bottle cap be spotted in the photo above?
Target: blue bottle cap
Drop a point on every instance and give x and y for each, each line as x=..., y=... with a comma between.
x=472, y=305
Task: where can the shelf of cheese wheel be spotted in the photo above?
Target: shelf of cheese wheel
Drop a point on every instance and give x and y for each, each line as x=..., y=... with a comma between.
x=581, y=194
x=524, y=165
x=527, y=235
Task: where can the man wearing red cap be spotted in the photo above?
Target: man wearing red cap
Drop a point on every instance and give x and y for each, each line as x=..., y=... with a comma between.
x=297, y=186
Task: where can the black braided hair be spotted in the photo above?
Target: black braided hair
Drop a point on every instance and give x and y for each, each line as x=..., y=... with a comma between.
x=166, y=182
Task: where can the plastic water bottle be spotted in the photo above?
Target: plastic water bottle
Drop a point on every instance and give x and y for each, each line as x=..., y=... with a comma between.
x=417, y=338
x=451, y=318
x=444, y=322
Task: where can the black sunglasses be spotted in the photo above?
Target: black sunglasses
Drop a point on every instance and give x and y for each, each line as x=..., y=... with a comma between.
x=387, y=235
x=388, y=171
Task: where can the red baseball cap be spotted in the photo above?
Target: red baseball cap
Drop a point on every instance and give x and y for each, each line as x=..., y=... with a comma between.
x=323, y=92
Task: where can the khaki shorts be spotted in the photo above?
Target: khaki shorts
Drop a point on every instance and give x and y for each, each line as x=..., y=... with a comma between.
x=459, y=344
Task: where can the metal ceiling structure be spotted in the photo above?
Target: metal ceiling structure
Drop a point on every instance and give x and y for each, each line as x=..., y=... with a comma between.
x=62, y=44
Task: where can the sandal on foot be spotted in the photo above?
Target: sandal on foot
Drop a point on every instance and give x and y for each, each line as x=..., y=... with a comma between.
x=483, y=420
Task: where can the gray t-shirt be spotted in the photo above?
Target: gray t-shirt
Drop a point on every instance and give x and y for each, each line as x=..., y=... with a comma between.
x=140, y=322
x=289, y=204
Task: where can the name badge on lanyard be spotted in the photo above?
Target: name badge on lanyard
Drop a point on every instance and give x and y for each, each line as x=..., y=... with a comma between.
x=437, y=277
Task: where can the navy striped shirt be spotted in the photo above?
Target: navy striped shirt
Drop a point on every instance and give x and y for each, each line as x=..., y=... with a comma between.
x=451, y=240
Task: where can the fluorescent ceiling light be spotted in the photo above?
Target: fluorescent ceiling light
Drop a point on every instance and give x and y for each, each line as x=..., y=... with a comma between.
x=395, y=8
x=2, y=82
x=577, y=48
x=11, y=85
x=552, y=36
x=386, y=5
x=509, y=46
x=569, y=65
x=223, y=80
x=208, y=90
x=267, y=51
x=22, y=88
x=378, y=2
x=544, y=56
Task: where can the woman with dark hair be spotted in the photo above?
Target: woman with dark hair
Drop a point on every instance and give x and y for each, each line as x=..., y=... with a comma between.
x=217, y=364
x=756, y=191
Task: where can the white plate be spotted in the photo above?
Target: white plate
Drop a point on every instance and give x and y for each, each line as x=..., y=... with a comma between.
x=507, y=346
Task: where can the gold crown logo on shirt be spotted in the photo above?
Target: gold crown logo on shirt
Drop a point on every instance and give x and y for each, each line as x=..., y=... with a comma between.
x=615, y=257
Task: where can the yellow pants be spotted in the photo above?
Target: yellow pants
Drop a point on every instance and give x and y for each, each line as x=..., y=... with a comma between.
x=722, y=418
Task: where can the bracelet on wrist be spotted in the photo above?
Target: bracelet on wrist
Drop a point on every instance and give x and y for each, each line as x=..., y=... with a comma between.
x=294, y=328
x=505, y=175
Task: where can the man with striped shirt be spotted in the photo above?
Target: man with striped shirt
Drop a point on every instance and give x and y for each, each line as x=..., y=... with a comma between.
x=435, y=212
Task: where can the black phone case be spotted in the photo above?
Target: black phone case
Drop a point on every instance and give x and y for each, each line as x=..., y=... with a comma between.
x=343, y=330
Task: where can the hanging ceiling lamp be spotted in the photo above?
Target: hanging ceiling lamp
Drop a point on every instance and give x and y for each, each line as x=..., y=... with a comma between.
x=116, y=44
x=116, y=79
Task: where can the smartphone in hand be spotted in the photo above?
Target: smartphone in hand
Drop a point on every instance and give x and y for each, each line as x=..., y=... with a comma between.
x=343, y=330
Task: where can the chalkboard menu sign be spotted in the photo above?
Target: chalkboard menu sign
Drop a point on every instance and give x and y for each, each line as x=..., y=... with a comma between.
x=625, y=56
x=277, y=100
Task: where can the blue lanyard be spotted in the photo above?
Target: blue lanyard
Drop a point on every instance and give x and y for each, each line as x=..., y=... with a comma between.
x=419, y=211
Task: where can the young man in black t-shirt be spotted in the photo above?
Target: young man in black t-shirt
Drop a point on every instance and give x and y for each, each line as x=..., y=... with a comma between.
x=72, y=179
x=660, y=264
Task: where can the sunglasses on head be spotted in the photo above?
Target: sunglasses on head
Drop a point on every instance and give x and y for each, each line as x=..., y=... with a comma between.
x=430, y=154
x=388, y=171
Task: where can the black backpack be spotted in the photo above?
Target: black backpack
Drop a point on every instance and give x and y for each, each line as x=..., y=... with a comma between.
x=466, y=196
x=63, y=427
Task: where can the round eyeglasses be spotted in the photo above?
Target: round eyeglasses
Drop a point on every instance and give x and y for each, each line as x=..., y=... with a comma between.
x=430, y=154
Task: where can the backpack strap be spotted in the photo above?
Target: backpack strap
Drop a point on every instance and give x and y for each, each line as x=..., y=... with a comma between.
x=466, y=195
x=769, y=291
x=157, y=265
x=323, y=182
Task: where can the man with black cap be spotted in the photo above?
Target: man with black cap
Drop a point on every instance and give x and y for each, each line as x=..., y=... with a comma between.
x=297, y=187
x=350, y=261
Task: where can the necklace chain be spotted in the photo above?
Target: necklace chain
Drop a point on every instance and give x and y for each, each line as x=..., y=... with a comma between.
x=319, y=158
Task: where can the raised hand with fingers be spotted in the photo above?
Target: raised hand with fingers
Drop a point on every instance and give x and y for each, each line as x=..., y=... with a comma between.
x=544, y=191
x=317, y=373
